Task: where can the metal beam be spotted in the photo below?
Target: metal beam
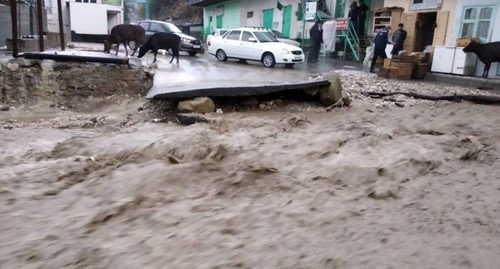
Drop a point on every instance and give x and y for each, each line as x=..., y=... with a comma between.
x=40, y=25
x=15, y=34
x=61, y=26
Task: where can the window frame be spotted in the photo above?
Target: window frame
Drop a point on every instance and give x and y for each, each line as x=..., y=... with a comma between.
x=477, y=20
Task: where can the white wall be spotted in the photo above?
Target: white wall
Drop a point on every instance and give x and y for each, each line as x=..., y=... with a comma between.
x=89, y=18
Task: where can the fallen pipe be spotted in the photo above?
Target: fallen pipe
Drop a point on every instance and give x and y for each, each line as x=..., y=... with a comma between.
x=74, y=58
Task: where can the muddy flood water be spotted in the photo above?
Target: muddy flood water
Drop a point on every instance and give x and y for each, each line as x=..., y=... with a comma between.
x=282, y=185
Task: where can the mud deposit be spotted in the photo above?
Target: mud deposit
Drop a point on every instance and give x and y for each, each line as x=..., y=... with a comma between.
x=375, y=185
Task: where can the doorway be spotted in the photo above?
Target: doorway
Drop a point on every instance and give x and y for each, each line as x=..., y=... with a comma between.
x=424, y=30
x=287, y=21
x=268, y=18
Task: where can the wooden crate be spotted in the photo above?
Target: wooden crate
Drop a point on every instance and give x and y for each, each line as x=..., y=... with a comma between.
x=401, y=70
x=420, y=70
x=387, y=63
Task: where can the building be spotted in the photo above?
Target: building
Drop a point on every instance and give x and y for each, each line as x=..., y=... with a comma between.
x=91, y=20
x=441, y=22
x=286, y=16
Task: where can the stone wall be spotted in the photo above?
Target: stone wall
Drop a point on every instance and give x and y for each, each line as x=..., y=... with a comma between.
x=72, y=85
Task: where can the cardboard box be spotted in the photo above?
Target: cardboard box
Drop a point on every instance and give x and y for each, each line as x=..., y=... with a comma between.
x=464, y=41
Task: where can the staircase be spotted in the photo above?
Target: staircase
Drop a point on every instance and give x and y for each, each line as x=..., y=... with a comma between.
x=351, y=42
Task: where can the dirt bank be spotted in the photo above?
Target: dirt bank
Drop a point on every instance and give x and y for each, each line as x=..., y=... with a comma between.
x=283, y=185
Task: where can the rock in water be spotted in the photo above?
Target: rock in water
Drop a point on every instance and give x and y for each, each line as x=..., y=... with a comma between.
x=197, y=105
x=188, y=119
x=332, y=94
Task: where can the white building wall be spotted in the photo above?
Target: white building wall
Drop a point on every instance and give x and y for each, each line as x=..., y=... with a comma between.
x=88, y=18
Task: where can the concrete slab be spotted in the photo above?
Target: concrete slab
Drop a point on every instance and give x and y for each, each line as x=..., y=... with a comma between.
x=205, y=76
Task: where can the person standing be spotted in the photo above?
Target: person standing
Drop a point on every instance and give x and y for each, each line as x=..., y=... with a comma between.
x=398, y=39
x=380, y=43
x=363, y=12
x=353, y=16
x=316, y=35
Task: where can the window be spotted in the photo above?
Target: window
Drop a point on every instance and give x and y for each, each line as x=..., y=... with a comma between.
x=234, y=35
x=477, y=22
x=249, y=14
x=155, y=27
x=418, y=1
x=246, y=36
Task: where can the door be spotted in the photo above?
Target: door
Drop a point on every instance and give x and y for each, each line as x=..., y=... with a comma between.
x=287, y=21
x=231, y=44
x=249, y=49
x=218, y=24
x=410, y=19
x=267, y=15
x=441, y=27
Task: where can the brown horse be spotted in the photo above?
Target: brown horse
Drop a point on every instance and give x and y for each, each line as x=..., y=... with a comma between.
x=123, y=33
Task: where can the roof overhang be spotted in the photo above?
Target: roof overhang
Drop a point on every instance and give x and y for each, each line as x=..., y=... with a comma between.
x=204, y=3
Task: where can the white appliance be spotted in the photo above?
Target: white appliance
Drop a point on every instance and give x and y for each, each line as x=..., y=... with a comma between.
x=453, y=60
x=464, y=63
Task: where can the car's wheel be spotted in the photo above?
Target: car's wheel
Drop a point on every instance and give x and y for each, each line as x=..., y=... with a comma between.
x=268, y=60
x=289, y=65
x=192, y=53
x=132, y=45
x=221, y=55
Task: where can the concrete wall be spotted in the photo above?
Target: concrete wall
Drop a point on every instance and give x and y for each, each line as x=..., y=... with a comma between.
x=5, y=21
x=66, y=84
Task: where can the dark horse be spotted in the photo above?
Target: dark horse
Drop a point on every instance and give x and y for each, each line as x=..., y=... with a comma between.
x=162, y=41
x=123, y=33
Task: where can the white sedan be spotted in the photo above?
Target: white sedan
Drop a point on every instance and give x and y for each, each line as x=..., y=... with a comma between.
x=255, y=44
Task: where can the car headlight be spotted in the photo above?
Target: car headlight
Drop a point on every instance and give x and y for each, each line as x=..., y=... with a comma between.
x=285, y=51
x=185, y=40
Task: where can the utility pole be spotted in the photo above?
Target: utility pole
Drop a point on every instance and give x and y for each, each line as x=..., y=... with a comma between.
x=303, y=2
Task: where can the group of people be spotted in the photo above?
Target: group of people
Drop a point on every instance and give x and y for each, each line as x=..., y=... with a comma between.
x=382, y=39
x=357, y=16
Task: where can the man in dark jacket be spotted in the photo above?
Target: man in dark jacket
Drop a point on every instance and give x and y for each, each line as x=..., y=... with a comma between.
x=380, y=43
x=398, y=38
x=316, y=35
x=353, y=16
x=363, y=11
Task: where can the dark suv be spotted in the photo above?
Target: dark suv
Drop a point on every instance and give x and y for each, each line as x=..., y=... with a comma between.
x=189, y=44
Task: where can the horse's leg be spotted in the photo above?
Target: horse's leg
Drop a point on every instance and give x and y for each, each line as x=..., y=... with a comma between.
x=155, y=52
x=173, y=55
x=125, y=45
x=117, y=48
x=135, y=49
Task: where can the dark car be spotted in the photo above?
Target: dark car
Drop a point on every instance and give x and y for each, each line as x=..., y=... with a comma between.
x=189, y=44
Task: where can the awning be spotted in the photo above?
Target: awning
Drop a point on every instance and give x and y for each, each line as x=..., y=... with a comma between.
x=204, y=3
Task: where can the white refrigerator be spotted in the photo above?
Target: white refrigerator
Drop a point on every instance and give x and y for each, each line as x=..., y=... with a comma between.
x=452, y=60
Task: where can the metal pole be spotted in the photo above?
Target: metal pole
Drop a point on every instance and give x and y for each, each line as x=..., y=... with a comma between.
x=15, y=34
x=146, y=4
x=303, y=22
x=61, y=26
x=40, y=25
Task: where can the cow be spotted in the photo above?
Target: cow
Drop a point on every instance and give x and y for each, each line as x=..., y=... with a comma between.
x=161, y=41
x=124, y=33
x=487, y=53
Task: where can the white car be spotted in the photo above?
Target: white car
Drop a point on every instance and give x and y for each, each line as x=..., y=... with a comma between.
x=255, y=44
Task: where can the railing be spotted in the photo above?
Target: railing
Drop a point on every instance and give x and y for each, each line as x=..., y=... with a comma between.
x=347, y=32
